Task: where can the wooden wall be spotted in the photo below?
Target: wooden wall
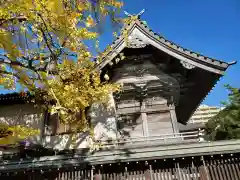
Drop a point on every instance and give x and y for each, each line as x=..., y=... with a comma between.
x=159, y=123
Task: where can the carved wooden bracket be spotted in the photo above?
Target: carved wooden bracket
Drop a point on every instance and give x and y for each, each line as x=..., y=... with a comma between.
x=135, y=42
x=187, y=65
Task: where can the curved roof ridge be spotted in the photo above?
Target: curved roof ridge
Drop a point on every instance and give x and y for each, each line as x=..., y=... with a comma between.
x=179, y=47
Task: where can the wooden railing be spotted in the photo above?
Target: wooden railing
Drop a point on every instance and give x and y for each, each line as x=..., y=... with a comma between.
x=164, y=138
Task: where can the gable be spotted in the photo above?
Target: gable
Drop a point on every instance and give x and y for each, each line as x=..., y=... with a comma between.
x=139, y=36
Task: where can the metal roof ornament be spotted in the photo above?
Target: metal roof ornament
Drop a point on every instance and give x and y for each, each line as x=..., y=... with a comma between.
x=137, y=15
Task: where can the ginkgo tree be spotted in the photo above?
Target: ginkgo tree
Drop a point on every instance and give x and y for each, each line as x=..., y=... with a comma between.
x=43, y=51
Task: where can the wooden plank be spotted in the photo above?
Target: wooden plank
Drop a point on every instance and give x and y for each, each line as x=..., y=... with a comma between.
x=169, y=174
x=64, y=175
x=141, y=175
x=151, y=172
x=85, y=172
x=231, y=171
x=215, y=172
x=166, y=174
x=163, y=174
x=219, y=171
x=203, y=173
x=99, y=175
x=129, y=175
x=114, y=176
x=180, y=172
x=222, y=168
x=225, y=166
x=110, y=177
x=193, y=171
x=198, y=171
x=120, y=176
x=212, y=175
x=82, y=174
x=229, y=167
x=79, y=174
x=159, y=174
x=233, y=168
x=236, y=163
x=70, y=174
x=76, y=174
x=188, y=173
x=103, y=177
x=155, y=174
x=135, y=175
x=184, y=174
x=206, y=175
x=176, y=172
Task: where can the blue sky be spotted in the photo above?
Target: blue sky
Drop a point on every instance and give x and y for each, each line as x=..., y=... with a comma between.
x=210, y=27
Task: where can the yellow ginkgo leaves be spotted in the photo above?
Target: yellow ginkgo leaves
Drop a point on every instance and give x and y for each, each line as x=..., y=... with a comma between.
x=89, y=21
x=13, y=134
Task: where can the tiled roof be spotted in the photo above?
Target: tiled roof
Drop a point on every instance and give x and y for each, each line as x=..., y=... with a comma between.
x=168, y=44
x=13, y=98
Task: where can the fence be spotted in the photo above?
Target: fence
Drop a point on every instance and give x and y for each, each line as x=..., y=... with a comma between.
x=188, y=168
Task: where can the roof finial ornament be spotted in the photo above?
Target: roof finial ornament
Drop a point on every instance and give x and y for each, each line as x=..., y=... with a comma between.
x=131, y=15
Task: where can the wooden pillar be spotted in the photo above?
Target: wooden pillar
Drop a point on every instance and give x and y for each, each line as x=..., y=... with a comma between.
x=205, y=169
x=113, y=113
x=173, y=118
x=43, y=126
x=92, y=173
x=144, y=120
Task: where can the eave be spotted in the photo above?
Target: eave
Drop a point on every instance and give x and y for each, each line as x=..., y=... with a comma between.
x=125, y=154
x=13, y=98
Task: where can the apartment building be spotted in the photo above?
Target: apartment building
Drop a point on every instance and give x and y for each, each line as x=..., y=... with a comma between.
x=204, y=113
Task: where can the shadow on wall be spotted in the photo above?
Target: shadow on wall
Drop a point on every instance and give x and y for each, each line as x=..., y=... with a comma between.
x=24, y=114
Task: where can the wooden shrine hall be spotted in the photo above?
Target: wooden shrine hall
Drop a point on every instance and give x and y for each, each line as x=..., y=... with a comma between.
x=144, y=136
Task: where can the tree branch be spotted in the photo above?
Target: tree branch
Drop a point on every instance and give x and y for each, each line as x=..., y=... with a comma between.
x=9, y=73
x=17, y=63
x=19, y=18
